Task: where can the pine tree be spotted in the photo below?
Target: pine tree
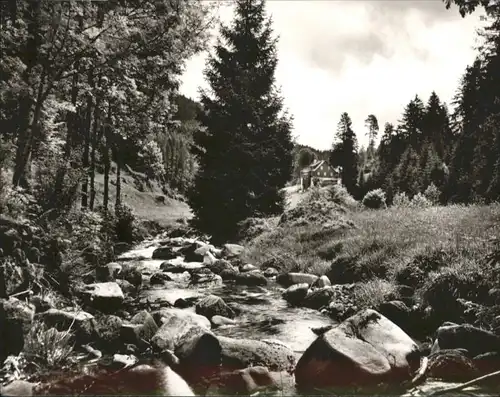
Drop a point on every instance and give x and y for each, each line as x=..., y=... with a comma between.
x=408, y=175
x=248, y=145
x=412, y=122
x=436, y=126
x=345, y=153
x=371, y=123
x=469, y=117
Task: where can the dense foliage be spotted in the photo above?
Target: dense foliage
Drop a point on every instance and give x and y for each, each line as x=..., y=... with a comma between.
x=85, y=84
x=246, y=157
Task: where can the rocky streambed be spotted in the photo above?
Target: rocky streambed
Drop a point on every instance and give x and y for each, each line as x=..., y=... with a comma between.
x=232, y=328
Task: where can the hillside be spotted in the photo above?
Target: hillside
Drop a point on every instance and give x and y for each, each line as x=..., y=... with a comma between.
x=147, y=200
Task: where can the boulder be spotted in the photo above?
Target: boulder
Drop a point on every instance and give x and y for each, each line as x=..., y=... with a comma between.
x=288, y=279
x=219, y=321
x=253, y=278
x=181, y=267
x=106, y=297
x=487, y=362
x=397, y=312
x=62, y=320
x=159, y=278
x=228, y=275
x=242, y=353
x=18, y=388
x=16, y=319
x=296, y=293
x=247, y=381
x=209, y=259
x=321, y=282
x=465, y=336
x=140, y=331
x=191, y=252
x=248, y=268
x=107, y=272
x=205, y=249
x=125, y=286
x=221, y=265
x=451, y=365
x=164, y=315
x=164, y=253
x=365, y=350
x=318, y=298
x=232, y=250
x=205, y=279
x=271, y=272
x=213, y=305
x=198, y=350
x=183, y=303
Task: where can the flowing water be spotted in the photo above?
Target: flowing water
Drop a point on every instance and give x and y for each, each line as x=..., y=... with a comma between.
x=262, y=314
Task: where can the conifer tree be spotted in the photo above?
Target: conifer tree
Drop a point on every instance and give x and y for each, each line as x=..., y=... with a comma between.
x=469, y=118
x=345, y=153
x=371, y=123
x=408, y=175
x=247, y=155
x=412, y=122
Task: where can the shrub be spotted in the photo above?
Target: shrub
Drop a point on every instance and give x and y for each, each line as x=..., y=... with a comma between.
x=442, y=290
x=16, y=201
x=420, y=201
x=375, y=199
x=56, y=183
x=253, y=227
x=432, y=193
x=124, y=226
x=339, y=195
x=372, y=293
x=48, y=347
x=401, y=200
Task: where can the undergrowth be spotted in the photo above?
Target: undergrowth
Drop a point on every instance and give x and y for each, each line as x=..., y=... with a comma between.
x=48, y=347
x=442, y=253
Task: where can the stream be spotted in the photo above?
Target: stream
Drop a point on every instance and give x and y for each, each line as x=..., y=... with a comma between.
x=263, y=314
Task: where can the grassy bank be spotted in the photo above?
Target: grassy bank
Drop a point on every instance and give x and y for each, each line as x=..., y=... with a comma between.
x=435, y=250
x=147, y=200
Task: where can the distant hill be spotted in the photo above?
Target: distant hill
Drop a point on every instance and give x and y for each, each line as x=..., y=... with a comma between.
x=318, y=154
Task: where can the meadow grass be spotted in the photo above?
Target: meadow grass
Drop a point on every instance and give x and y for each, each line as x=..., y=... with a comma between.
x=384, y=245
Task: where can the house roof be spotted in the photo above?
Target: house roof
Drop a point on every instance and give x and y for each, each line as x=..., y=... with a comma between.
x=315, y=165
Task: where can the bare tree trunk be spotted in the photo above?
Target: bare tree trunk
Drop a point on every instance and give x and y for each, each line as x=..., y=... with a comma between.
x=70, y=132
x=25, y=140
x=118, y=178
x=94, y=141
x=86, y=147
x=30, y=109
x=106, y=159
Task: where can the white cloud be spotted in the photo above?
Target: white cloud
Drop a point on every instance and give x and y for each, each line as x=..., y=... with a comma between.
x=359, y=57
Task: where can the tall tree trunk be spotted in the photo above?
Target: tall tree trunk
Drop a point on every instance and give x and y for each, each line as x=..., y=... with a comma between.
x=30, y=109
x=25, y=141
x=94, y=140
x=107, y=160
x=118, y=177
x=70, y=133
x=86, y=147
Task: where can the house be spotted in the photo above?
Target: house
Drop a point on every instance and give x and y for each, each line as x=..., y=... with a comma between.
x=320, y=171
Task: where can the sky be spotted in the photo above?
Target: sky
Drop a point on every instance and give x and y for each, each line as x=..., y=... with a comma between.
x=360, y=57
